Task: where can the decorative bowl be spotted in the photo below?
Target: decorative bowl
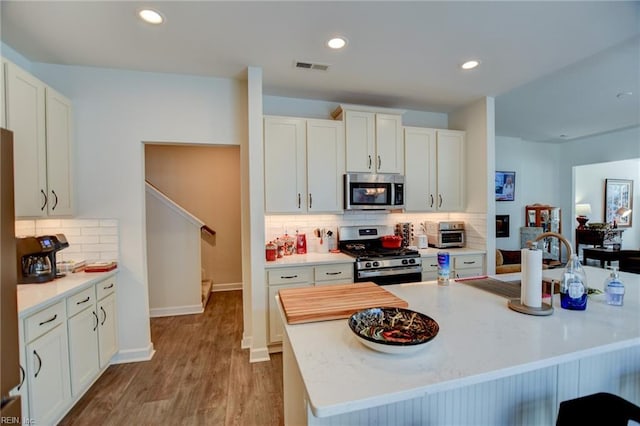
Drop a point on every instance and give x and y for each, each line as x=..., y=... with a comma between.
x=393, y=330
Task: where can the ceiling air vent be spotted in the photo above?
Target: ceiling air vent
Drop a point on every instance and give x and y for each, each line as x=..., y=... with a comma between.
x=311, y=66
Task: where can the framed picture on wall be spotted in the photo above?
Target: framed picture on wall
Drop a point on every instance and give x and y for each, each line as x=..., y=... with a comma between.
x=505, y=185
x=618, y=201
x=502, y=226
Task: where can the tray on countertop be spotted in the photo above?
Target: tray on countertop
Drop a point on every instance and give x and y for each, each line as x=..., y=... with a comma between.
x=330, y=302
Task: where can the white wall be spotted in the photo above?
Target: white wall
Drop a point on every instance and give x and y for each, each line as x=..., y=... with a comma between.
x=537, y=172
x=114, y=112
x=589, y=188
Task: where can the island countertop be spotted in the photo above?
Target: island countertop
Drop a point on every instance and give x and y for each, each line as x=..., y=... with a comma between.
x=480, y=339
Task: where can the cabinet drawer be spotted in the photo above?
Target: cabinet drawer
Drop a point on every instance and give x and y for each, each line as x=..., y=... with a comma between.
x=80, y=301
x=429, y=264
x=343, y=271
x=466, y=262
x=290, y=276
x=41, y=322
x=106, y=287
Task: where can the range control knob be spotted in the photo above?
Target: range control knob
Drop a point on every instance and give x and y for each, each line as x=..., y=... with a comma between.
x=376, y=263
x=412, y=261
x=405, y=261
x=367, y=265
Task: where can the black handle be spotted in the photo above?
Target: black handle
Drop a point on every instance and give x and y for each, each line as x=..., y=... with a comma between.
x=299, y=200
x=39, y=363
x=369, y=162
x=289, y=277
x=469, y=263
x=434, y=265
x=379, y=162
x=83, y=301
x=431, y=195
x=310, y=201
x=44, y=194
x=333, y=273
x=56, y=202
x=49, y=320
x=22, y=375
x=440, y=197
x=108, y=287
x=105, y=315
x=97, y=320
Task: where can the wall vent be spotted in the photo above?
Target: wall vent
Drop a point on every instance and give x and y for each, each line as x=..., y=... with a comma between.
x=311, y=66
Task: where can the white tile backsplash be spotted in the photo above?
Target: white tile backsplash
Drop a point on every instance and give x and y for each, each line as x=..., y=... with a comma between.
x=89, y=239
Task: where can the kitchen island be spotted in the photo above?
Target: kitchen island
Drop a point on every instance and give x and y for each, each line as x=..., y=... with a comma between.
x=488, y=364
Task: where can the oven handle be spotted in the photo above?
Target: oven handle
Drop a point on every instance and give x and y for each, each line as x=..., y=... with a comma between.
x=390, y=271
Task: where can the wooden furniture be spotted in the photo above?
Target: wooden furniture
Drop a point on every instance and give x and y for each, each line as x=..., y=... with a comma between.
x=601, y=254
x=548, y=219
x=598, y=238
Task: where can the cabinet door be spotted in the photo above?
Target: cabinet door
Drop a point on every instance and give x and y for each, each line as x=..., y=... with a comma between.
x=108, y=329
x=83, y=349
x=48, y=376
x=284, y=165
x=59, y=154
x=325, y=165
x=26, y=118
x=389, y=147
x=275, y=322
x=450, y=174
x=360, y=141
x=420, y=169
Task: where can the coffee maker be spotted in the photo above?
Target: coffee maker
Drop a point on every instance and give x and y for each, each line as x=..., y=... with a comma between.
x=36, y=258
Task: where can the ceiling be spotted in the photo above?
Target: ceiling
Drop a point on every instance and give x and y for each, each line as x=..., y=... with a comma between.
x=555, y=68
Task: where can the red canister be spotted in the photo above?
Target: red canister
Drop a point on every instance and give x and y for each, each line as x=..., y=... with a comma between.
x=301, y=244
x=271, y=251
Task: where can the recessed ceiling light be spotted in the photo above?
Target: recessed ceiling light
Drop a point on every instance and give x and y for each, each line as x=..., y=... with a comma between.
x=151, y=16
x=337, y=42
x=469, y=65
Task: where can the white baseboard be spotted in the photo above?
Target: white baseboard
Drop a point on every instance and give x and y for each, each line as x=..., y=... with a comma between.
x=259, y=355
x=176, y=310
x=226, y=287
x=134, y=355
x=246, y=342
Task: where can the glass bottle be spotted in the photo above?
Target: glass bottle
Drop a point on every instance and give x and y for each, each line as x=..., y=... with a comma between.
x=573, y=287
x=614, y=288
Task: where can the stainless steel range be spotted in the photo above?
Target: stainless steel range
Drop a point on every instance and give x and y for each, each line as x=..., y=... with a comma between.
x=375, y=263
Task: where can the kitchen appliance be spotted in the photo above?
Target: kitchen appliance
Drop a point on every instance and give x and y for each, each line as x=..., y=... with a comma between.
x=36, y=258
x=375, y=263
x=365, y=191
x=445, y=234
x=10, y=406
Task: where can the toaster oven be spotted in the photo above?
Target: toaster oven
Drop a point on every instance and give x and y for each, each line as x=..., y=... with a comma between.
x=445, y=234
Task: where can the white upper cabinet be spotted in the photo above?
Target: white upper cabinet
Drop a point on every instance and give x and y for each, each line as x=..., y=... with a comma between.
x=41, y=121
x=373, y=140
x=434, y=170
x=304, y=164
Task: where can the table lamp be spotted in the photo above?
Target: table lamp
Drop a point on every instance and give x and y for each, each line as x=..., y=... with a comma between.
x=582, y=210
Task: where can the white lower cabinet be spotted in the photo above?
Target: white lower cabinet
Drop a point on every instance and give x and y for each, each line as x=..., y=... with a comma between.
x=66, y=346
x=295, y=277
x=47, y=364
x=461, y=266
x=429, y=268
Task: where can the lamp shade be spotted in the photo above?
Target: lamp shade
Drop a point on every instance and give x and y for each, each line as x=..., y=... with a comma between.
x=583, y=209
x=623, y=212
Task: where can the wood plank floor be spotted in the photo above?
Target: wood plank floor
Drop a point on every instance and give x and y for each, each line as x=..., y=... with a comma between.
x=198, y=376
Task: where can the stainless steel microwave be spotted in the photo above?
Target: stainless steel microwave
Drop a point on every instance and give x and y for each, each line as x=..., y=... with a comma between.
x=365, y=191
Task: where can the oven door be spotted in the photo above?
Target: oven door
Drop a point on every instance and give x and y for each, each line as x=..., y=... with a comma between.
x=389, y=276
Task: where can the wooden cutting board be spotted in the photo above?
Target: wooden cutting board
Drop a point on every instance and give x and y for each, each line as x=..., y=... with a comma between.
x=309, y=304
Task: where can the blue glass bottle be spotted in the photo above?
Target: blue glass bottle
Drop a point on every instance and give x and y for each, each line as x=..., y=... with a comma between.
x=573, y=289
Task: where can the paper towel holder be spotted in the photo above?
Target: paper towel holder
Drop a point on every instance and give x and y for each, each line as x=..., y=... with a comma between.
x=518, y=306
